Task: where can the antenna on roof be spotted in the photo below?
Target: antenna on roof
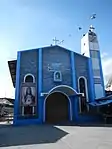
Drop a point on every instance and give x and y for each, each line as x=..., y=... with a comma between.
x=61, y=42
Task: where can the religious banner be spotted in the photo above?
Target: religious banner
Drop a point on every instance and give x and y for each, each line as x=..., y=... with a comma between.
x=28, y=96
x=28, y=100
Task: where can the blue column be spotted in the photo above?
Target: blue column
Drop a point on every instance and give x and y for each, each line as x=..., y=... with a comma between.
x=17, y=88
x=40, y=107
x=73, y=70
x=73, y=73
x=91, y=81
x=101, y=73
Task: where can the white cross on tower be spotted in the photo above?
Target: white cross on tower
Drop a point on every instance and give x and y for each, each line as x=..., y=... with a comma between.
x=55, y=41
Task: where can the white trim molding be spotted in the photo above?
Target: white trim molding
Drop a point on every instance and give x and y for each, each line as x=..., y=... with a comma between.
x=44, y=106
x=43, y=94
x=87, y=99
x=85, y=86
x=59, y=86
x=29, y=74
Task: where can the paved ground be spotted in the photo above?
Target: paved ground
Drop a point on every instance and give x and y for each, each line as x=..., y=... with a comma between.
x=55, y=137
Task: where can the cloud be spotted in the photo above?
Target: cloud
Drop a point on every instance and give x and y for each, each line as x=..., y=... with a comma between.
x=104, y=54
x=106, y=65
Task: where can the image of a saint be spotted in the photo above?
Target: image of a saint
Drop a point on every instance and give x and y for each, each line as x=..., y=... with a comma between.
x=28, y=98
x=57, y=75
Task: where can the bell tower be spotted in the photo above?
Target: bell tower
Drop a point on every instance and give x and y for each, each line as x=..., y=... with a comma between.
x=90, y=48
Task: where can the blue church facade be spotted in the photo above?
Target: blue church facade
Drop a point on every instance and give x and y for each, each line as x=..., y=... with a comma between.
x=55, y=85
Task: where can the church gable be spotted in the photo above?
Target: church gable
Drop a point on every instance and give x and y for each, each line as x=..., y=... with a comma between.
x=55, y=50
x=55, y=59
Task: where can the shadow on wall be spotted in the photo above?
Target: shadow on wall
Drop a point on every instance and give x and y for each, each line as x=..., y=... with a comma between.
x=28, y=135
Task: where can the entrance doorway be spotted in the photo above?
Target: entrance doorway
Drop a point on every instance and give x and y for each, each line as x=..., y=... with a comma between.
x=57, y=108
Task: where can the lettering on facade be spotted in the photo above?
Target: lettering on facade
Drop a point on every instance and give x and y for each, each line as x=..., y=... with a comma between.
x=54, y=66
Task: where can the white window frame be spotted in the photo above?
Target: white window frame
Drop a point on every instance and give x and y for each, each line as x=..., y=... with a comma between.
x=87, y=99
x=29, y=74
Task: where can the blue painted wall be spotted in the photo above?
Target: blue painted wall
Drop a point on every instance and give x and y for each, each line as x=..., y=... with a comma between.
x=55, y=55
x=81, y=67
x=16, y=103
x=27, y=62
x=36, y=62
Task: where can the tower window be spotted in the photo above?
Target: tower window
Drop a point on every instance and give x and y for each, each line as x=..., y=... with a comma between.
x=94, y=53
x=83, y=100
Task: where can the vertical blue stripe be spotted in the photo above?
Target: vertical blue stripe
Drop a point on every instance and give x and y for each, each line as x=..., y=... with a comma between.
x=101, y=73
x=40, y=83
x=73, y=70
x=73, y=73
x=16, y=103
x=91, y=81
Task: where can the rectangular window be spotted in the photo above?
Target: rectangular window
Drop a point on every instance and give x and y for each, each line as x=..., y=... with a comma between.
x=95, y=63
x=96, y=46
x=96, y=72
x=97, y=80
x=94, y=54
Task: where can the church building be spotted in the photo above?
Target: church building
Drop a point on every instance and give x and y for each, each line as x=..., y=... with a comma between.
x=56, y=85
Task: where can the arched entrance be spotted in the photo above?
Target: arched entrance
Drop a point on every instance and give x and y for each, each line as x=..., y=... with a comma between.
x=57, y=108
x=65, y=90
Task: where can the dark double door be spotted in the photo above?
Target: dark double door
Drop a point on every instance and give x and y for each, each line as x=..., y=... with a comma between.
x=57, y=108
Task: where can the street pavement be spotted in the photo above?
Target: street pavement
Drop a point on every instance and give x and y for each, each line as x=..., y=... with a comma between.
x=55, y=137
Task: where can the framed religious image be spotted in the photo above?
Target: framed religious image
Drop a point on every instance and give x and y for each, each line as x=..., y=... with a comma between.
x=28, y=96
x=28, y=99
x=57, y=76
